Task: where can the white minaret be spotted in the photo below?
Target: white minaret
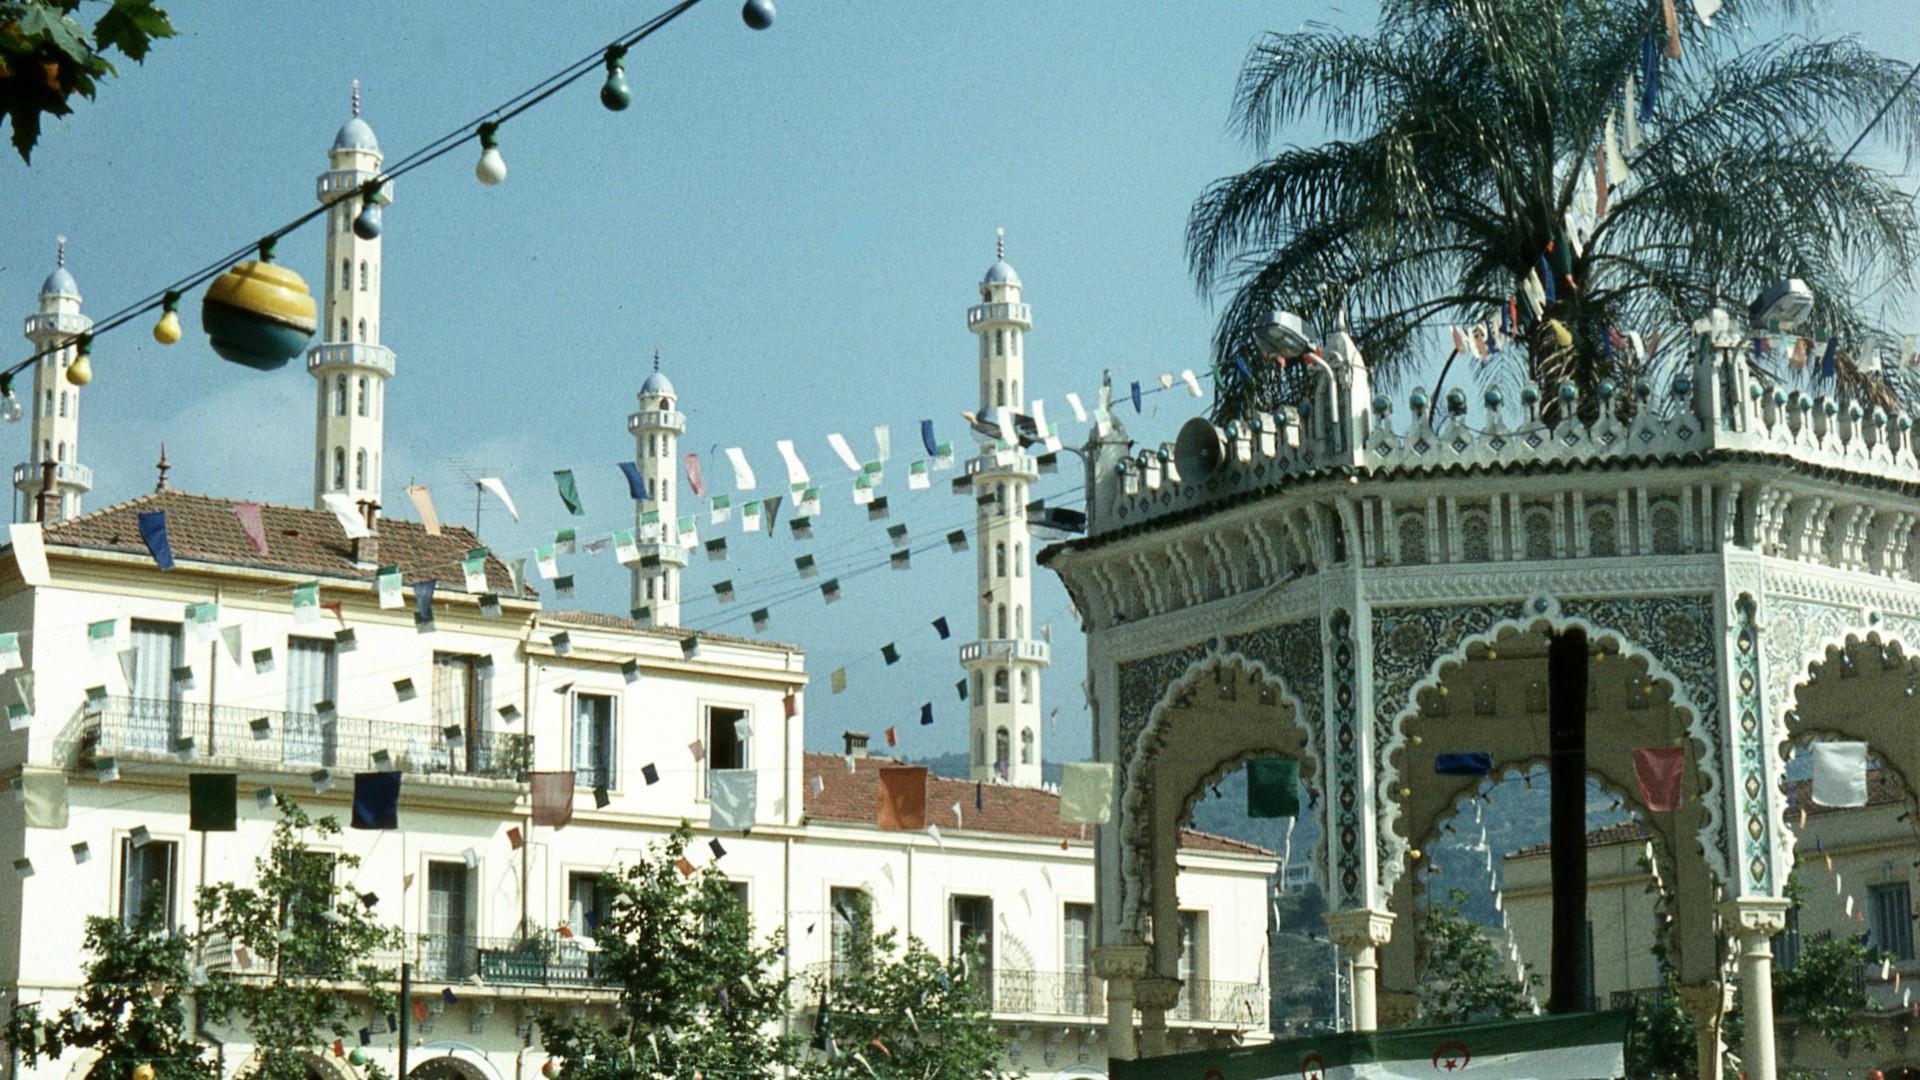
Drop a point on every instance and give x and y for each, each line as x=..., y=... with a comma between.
x=1005, y=663
x=350, y=365
x=657, y=428
x=55, y=405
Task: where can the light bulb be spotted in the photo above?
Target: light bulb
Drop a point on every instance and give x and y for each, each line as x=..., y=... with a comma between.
x=80, y=372
x=366, y=224
x=10, y=408
x=758, y=14
x=492, y=168
x=167, y=330
x=616, y=94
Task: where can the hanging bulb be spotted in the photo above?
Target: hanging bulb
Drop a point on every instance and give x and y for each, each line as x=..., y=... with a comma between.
x=366, y=224
x=758, y=14
x=80, y=372
x=167, y=330
x=10, y=408
x=616, y=94
x=492, y=167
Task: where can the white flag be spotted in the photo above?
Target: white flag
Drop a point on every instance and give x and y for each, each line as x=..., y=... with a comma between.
x=796, y=472
x=30, y=553
x=1079, y=410
x=1840, y=773
x=1086, y=792
x=348, y=514
x=840, y=447
x=493, y=484
x=742, y=472
x=883, y=438
x=1193, y=383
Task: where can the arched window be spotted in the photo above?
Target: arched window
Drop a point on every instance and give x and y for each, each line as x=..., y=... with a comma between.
x=1026, y=746
x=63, y=403
x=1000, y=620
x=1000, y=560
x=1026, y=687
x=1016, y=343
x=363, y=331
x=1000, y=493
x=339, y=395
x=346, y=276
x=360, y=470
x=999, y=343
x=980, y=693
x=340, y=467
x=979, y=747
x=1666, y=528
x=664, y=590
x=46, y=409
x=1016, y=393
x=1000, y=694
x=1019, y=560
x=363, y=275
x=1002, y=747
x=1413, y=539
x=999, y=391
x=649, y=588
x=361, y=405
x=1539, y=533
x=1476, y=537
x=1019, y=620
x=62, y=456
x=346, y=329
x=1603, y=539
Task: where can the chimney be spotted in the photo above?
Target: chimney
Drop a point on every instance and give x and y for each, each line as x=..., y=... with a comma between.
x=856, y=743
x=366, y=549
x=49, y=498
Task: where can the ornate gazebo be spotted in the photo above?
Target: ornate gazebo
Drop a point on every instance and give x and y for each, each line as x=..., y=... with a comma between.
x=1321, y=585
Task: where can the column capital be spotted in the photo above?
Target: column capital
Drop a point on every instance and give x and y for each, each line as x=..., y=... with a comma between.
x=1706, y=1004
x=1156, y=992
x=1359, y=928
x=1121, y=961
x=1756, y=917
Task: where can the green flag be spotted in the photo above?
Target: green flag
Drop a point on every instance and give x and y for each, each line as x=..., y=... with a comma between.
x=569, y=492
x=1273, y=788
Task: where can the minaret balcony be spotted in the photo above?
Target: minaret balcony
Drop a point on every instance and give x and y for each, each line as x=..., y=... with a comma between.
x=1005, y=649
x=1008, y=463
x=27, y=476
x=658, y=420
x=669, y=555
x=57, y=322
x=345, y=354
x=336, y=181
x=1019, y=315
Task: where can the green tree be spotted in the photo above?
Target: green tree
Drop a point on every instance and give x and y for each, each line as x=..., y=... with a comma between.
x=46, y=57
x=907, y=1014
x=1465, y=979
x=132, y=1007
x=1461, y=131
x=698, y=992
x=308, y=934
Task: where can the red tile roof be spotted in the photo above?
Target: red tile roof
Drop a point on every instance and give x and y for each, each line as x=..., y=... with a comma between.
x=1626, y=832
x=854, y=798
x=203, y=529
x=598, y=620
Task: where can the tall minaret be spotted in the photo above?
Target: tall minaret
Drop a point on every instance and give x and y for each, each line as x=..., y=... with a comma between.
x=1005, y=663
x=56, y=402
x=350, y=365
x=657, y=428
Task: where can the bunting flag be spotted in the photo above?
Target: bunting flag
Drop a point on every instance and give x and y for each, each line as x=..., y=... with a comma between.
x=890, y=654
x=1840, y=773
x=733, y=796
x=940, y=627
x=1079, y=409
x=45, y=796
x=927, y=439
x=563, y=586
x=252, y=525
x=883, y=442
x=387, y=584
x=650, y=773
x=762, y=618
x=717, y=549
x=569, y=492
x=750, y=517
x=306, y=603
x=1649, y=79
x=552, y=797
x=1465, y=764
x=211, y=802
x=545, y=563
x=901, y=560
x=830, y=589
x=1658, y=770
x=625, y=551
x=903, y=797
x=943, y=457
x=102, y=636
x=960, y=687
x=1273, y=788
x=422, y=600
x=802, y=528
x=499, y=489
x=721, y=510
x=10, y=651
x=474, y=567
x=1086, y=792
x=636, y=484
x=1827, y=361
x=743, y=479
x=845, y=452
x=926, y=714
x=153, y=530
x=838, y=680
x=1673, y=29
x=696, y=481
x=30, y=553
x=957, y=540
x=796, y=472
x=376, y=800
x=723, y=591
x=772, y=507
x=1136, y=397
x=918, y=478
x=347, y=514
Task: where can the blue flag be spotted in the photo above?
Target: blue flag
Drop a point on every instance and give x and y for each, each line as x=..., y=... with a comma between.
x=940, y=627
x=636, y=484
x=1469, y=764
x=153, y=529
x=926, y=437
x=1241, y=366
x=1546, y=279
x=1827, y=368
x=926, y=714
x=1649, y=77
x=376, y=800
x=1136, y=396
x=423, y=599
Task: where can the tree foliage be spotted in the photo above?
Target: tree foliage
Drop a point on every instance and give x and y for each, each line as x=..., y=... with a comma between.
x=46, y=57
x=1461, y=133
x=698, y=993
x=1465, y=978
x=132, y=1006
x=306, y=932
x=907, y=1014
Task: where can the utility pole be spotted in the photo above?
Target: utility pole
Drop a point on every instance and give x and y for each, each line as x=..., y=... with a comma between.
x=406, y=1013
x=1567, y=671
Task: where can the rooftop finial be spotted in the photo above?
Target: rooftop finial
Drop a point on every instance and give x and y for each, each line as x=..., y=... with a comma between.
x=60, y=252
x=656, y=357
x=1000, y=244
x=163, y=467
x=356, y=97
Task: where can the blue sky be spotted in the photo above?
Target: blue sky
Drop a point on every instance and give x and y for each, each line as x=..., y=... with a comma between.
x=796, y=218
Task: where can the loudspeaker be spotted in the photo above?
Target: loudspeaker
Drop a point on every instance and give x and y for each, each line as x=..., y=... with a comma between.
x=1199, y=450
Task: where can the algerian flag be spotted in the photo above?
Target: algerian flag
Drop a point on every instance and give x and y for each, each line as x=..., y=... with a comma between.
x=9, y=651
x=689, y=535
x=306, y=603
x=202, y=618
x=722, y=510
x=101, y=635
x=943, y=456
x=387, y=584
x=1588, y=1046
x=750, y=517
x=474, y=567
x=545, y=563
x=917, y=478
x=806, y=500
x=862, y=491
x=625, y=551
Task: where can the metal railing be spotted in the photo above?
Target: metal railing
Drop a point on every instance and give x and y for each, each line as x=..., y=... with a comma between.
x=506, y=961
x=127, y=728
x=1210, y=1002
x=1005, y=649
x=1012, y=991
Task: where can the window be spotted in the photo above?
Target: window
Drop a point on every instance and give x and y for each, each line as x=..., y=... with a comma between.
x=980, y=692
x=999, y=343
x=154, y=719
x=1016, y=393
x=363, y=275
x=1019, y=620
x=46, y=408
x=462, y=693
x=340, y=467
x=63, y=403
x=742, y=893
x=146, y=878
x=339, y=395
x=852, y=911
x=1001, y=694
x=1019, y=560
x=1002, y=750
x=313, y=678
x=61, y=451
x=970, y=931
x=449, y=955
x=363, y=331
x=1026, y=738
x=593, y=735
x=1076, y=952
x=1000, y=621
x=1026, y=687
x=726, y=748
x=1891, y=909
x=1000, y=560
x=589, y=902
x=360, y=470
x=360, y=402
x=346, y=282
x=979, y=737
x=999, y=392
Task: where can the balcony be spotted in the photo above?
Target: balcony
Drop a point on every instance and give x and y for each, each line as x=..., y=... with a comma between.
x=554, y=962
x=30, y=474
x=349, y=354
x=134, y=731
x=974, y=652
x=1020, y=314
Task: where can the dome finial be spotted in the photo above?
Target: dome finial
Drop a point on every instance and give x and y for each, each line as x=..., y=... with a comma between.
x=656, y=356
x=163, y=466
x=356, y=97
x=60, y=251
x=1000, y=243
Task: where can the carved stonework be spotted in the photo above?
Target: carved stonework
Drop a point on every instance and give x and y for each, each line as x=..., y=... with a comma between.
x=1160, y=992
x=1111, y=962
x=1397, y=1009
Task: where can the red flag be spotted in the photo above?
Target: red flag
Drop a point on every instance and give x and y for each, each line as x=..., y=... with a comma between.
x=552, y=798
x=1673, y=29
x=1599, y=181
x=685, y=867
x=250, y=523
x=420, y=1010
x=903, y=797
x=1658, y=770
x=694, y=479
x=893, y=739
x=790, y=705
x=514, y=838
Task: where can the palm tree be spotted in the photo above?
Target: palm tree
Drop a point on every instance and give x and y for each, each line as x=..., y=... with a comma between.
x=1468, y=140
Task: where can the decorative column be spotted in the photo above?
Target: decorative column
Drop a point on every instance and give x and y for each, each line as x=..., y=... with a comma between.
x=1708, y=1007
x=1120, y=966
x=1154, y=995
x=1360, y=935
x=1755, y=921
x=1360, y=921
